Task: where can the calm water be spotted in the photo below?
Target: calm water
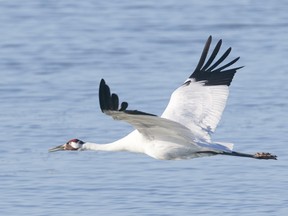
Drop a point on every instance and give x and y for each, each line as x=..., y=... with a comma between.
x=52, y=57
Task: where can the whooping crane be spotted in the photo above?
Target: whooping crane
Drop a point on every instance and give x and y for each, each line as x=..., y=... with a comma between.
x=184, y=129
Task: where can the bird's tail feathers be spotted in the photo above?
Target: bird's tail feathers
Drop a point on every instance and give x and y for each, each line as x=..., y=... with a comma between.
x=217, y=146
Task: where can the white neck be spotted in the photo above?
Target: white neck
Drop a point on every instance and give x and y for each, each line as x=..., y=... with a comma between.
x=103, y=147
x=127, y=143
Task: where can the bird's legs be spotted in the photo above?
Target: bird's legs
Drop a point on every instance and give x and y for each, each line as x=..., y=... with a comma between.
x=258, y=155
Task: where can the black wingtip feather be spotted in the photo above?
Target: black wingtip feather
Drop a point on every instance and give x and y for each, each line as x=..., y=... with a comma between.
x=228, y=64
x=114, y=102
x=204, y=53
x=211, y=73
x=110, y=102
x=106, y=100
x=124, y=106
x=104, y=93
x=213, y=55
x=220, y=60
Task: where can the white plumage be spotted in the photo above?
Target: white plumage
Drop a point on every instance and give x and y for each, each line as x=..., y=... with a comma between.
x=197, y=107
x=184, y=129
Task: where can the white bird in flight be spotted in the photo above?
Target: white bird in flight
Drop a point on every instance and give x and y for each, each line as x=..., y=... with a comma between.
x=184, y=129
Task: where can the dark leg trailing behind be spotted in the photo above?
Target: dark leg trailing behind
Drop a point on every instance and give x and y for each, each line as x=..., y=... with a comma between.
x=258, y=155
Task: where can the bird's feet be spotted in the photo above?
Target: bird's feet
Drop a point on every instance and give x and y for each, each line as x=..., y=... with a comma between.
x=265, y=155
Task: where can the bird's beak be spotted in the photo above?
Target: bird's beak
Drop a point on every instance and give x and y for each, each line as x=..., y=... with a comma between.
x=57, y=148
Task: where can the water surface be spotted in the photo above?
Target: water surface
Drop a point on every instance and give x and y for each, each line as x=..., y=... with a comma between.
x=52, y=57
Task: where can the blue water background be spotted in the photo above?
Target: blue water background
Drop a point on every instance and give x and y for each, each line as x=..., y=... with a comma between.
x=52, y=57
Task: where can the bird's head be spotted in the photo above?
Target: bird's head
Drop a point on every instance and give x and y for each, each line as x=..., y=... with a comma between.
x=72, y=145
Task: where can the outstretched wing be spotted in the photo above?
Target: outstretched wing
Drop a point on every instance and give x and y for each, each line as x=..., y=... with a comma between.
x=149, y=125
x=198, y=104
